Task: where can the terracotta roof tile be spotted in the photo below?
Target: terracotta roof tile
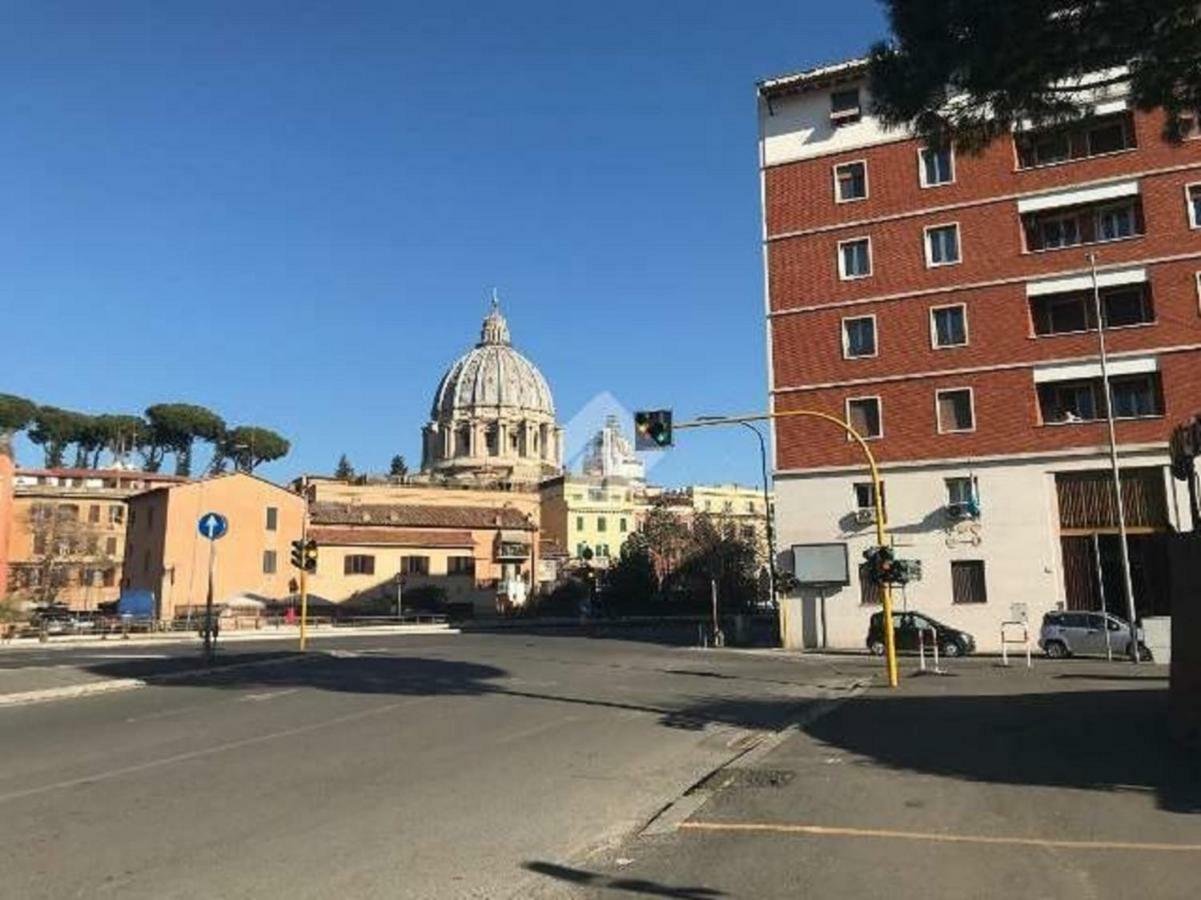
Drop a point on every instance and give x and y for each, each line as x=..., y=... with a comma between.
x=413, y=516
x=390, y=537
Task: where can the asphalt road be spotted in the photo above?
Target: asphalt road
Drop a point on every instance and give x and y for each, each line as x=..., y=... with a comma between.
x=448, y=766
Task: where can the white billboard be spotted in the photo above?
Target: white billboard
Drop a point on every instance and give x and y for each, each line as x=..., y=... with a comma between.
x=820, y=564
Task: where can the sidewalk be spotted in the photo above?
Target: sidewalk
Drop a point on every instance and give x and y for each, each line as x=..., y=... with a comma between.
x=269, y=633
x=1054, y=782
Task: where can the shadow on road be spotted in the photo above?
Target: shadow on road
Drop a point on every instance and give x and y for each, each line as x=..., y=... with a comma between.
x=1102, y=740
x=421, y=676
x=628, y=885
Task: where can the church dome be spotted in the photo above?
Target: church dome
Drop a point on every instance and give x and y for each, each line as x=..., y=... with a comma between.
x=492, y=378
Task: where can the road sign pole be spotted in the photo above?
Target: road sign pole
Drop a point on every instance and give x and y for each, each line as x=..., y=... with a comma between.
x=208, y=606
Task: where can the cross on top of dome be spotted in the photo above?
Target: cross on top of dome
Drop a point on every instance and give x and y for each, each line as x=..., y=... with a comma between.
x=495, y=329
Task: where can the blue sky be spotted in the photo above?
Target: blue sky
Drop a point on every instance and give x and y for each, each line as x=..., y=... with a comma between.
x=294, y=213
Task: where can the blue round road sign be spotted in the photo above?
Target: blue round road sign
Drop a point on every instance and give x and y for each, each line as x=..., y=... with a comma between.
x=213, y=525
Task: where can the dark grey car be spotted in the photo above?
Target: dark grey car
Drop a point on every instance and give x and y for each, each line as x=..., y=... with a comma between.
x=1087, y=634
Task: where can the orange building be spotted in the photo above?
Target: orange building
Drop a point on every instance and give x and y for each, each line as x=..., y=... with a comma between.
x=166, y=554
x=66, y=531
x=6, y=510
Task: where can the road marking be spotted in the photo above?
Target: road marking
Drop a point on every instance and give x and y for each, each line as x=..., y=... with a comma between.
x=836, y=831
x=536, y=729
x=268, y=695
x=212, y=751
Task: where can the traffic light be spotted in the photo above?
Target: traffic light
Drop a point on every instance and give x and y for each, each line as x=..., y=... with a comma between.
x=304, y=555
x=883, y=567
x=652, y=429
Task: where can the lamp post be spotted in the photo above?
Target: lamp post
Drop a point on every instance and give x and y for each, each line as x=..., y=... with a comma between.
x=770, y=532
x=1113, y=458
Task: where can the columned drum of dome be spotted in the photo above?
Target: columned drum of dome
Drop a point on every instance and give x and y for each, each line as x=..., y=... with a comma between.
x=493, y=418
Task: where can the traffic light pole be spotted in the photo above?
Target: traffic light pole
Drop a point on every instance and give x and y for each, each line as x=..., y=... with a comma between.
x=890, y=646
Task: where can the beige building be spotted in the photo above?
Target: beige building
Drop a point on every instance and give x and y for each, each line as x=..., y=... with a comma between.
x=166, y=554
x=68, y=530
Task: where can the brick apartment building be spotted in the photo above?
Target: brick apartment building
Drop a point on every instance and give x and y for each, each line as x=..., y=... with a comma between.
x=942, y=303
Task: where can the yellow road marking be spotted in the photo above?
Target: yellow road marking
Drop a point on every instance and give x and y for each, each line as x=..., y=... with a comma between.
x=837, y=831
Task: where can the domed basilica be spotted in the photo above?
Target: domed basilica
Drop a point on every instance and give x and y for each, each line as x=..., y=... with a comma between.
x=493, y=417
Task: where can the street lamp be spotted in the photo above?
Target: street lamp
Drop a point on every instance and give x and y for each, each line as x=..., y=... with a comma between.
x=771, y=542
x=1113, y=459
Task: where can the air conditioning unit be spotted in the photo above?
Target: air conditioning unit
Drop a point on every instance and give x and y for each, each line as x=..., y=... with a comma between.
x=966, y=509
x=865, y=516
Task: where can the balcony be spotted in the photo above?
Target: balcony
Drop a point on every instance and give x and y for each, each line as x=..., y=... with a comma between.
x=1074, y=311
x=1133, y=395
x=1097, y=136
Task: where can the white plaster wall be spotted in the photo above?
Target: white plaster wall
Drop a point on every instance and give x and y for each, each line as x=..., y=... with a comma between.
x=1018, y=535
x=799, y=126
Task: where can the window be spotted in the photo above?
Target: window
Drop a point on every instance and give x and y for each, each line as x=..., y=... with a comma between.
x=967, y=581
x=727, y=506
x=596, y=494
x=1189, y=124
x=859, y=337
x=955, y=411
x=747, y=532
x=579, y=523
x=844, y=107
x=579, y=550
x=621, y=525
x=1134, y=396
x=602, y=551
x=854, y=258
x=948, y=325
x=116, y=514
x=268, y=562
x=871, y=593
x=1193, y=192
x=1082, y=224
x=1060, y=232
x=1079, y=140
x=750, y=506
x=110, y=546
x=94, y=514
x=1121, y=306
x=850, y=182
x=863, y=414
x=460, y=565
x=961, y=489
x=358, y=564
x=600, y=523
x=272, y=518
x=1115, y=222
x=414, y=565
x=109, y=578
x=937, y=166
x=942, y=245
x=865, y=495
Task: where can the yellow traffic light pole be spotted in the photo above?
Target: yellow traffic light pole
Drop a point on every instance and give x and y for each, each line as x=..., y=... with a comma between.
x=890, y=645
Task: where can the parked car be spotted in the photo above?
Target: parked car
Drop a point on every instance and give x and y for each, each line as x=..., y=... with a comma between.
x=906, y=629
x=1068, y=633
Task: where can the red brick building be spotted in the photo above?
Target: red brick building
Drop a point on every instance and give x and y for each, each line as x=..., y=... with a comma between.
x=943, y=303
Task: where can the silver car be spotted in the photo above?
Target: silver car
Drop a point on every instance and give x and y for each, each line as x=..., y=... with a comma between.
x=1074, y=633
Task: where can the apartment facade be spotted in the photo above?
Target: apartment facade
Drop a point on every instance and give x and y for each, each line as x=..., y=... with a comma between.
x=166, y=554
x=942, y=303
x=581, y=512
x=66, y=532
x=6, y=506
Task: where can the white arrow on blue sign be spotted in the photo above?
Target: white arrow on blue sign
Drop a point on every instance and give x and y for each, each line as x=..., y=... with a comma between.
x=213, y=525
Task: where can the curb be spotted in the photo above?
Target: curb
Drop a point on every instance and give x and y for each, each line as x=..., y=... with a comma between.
x=670, y=817
x=117, y=685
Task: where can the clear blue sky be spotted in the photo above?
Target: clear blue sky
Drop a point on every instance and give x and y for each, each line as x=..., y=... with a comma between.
x=293, y=212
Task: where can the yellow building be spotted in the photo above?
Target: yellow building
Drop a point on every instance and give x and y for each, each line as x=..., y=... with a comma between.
x=581, y=512
x=67, y=530
x=166, y=554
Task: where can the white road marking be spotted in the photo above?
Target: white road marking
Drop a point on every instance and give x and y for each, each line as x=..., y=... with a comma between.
x=268, y=695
